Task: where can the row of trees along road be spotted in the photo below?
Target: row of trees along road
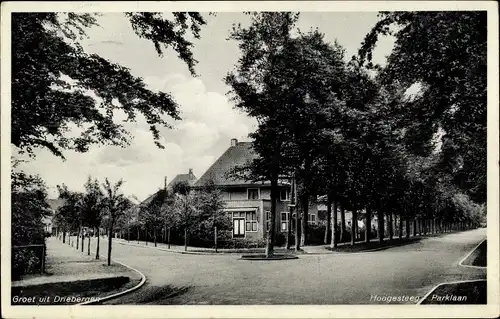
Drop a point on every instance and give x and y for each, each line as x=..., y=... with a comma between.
x=351, y=131
x=100, y=206
x=186, y=209
x=46, y=106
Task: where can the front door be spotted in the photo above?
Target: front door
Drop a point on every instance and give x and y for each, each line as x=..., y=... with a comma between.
x=238, y=227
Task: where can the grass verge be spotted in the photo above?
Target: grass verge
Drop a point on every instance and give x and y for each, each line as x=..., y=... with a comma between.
x=478, y=256
x=72, y=292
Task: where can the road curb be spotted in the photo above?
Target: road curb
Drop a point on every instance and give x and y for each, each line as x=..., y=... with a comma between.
x=119, y=294
x=459, y=281
x=470, y=253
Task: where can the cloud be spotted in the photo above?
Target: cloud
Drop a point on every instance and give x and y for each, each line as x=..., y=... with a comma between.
x=209, y=122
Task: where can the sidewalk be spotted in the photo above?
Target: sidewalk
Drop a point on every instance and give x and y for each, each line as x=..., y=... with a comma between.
x=65, y=264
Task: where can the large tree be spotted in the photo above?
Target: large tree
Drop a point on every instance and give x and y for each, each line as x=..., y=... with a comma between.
x=445, y=54
x=257, y=89
x=45, y=106
x=186, y=209
x=152, y=213
x=115, y=204
x=211, y=204
x=92, y=207
x=71, y=211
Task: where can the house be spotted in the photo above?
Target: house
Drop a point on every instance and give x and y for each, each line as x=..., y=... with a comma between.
x=47, y=221
x=190, y=178
x=248, y=203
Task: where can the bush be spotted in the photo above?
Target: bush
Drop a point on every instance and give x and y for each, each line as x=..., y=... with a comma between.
x=316, y=234
x=28, y=208
x=280, y=239
x=26, y=260
x=242, y=243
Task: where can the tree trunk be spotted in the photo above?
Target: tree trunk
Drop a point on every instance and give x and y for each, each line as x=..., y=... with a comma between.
x=83, y=239
x=407, y=221
x=185, y=239
x=289, y=229
x=305, y=219
x=272, y=228
x=168, y=238
x=165, y=233
x=334, y=239
x=354, y=224
x=98, y=239
x=297, y=228
x=390, y=227
x=78, y=236
x=368, y=224
x=215, y=238
x=64, y=237
x=88, y=246
x=154, y=234
x=342, y=223
x=110, y=239
x=380, y=222
x=138, y=233
x=400, y=227
x=328, y=219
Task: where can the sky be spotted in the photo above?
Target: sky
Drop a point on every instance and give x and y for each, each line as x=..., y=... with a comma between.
x=209, y=120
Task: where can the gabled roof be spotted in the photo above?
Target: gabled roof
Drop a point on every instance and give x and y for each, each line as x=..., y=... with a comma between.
x=189, y=177
x=238, y=154
x=55, y=203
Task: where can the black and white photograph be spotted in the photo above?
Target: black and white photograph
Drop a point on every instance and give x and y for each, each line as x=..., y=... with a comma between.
x=194, y=156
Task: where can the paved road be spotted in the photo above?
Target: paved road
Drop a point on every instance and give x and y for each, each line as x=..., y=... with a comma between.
x=411, y=270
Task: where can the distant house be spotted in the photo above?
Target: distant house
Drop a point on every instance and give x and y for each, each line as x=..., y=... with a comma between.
x=248, y=203
x=190, y=178
x=54, y=205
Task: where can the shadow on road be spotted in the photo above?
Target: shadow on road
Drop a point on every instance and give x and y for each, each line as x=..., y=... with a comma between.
x=155, y=294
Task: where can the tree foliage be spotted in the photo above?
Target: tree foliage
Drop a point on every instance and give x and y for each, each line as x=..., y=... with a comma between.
x=445, y=53
x=29, y=208
x=52, y=77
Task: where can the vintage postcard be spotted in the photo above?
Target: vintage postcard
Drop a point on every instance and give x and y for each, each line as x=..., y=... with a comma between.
x=232, y=159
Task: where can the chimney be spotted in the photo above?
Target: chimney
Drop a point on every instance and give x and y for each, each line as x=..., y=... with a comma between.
x=165, y=183
x=190, y=172
x=234, y=142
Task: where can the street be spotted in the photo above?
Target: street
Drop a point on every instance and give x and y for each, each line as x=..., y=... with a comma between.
x=366, y=278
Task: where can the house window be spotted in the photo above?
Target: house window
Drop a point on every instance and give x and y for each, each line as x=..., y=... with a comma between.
x=251, y=222
x=285, y=195
x=311, y=218
x=285, y=221
x=253, y=193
